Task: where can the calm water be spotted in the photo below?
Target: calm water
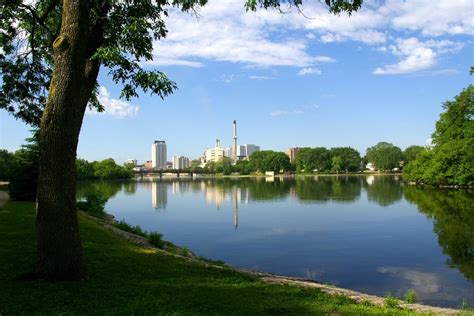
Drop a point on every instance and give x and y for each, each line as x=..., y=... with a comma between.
x=370, y=234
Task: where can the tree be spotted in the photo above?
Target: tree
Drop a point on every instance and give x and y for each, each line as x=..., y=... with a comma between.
x=310, y=159
x=350, y=158
x=336, y=164
x=384, y=156
x=269, y=160
x=451, y=159
x=50, y=78
x=8, y=163
x=23, y=180
x=410, y=153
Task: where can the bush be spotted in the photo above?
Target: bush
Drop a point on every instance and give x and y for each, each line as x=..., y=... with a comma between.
x=156, y=239
x=391, y=301
x=410, y=297
x=94, y=203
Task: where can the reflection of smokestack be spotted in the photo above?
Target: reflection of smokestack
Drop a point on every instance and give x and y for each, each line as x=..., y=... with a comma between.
x=236, y=210
x=234, y=151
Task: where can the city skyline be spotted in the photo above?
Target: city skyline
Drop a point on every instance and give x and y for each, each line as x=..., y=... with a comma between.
x=289, y=81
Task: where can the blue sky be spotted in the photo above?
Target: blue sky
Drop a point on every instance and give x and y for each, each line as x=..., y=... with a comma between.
x=288, y=80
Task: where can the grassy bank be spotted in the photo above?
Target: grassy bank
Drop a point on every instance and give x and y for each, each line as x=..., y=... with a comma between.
x=127, y=279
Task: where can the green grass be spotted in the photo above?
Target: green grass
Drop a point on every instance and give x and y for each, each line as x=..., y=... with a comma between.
x=127, y=279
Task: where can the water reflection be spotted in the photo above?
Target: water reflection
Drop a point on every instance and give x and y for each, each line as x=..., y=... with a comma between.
x=330, y=229
x=453, y=214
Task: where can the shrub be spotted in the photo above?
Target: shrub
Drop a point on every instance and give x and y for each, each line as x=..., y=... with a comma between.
x=156, y=239
x=410, y=297
x=391, y=301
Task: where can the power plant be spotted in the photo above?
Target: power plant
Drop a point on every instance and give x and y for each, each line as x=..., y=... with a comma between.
x=234, y=148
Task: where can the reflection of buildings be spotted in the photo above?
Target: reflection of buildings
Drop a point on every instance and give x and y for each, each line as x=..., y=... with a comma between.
x=180, y=187
x=159, y=195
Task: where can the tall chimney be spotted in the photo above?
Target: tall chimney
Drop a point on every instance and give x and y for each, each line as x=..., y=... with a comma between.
x=234, y=153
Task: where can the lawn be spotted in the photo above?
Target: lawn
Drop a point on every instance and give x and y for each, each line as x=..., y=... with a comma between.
x=127, y=279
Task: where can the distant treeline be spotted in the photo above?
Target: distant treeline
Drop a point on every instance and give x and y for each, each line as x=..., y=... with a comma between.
x=383, y=156
x=104, y=170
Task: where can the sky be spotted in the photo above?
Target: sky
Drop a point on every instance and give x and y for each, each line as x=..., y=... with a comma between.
x=289, y=79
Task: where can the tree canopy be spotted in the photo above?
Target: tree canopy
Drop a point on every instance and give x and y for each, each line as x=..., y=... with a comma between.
x=385, y=156
x=451, y=159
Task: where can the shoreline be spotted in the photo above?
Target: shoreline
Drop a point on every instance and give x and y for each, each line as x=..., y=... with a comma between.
x=359, y=297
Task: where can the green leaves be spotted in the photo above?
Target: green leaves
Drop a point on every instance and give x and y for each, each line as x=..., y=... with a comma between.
x=451, y=160
x=385, y=156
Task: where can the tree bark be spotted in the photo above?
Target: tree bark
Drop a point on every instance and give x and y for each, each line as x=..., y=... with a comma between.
x=58, y=243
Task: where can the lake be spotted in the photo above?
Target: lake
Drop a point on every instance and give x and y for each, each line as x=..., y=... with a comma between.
x=367, y=233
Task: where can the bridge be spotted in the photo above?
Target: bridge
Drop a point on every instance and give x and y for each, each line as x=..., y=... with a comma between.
x=160, y=173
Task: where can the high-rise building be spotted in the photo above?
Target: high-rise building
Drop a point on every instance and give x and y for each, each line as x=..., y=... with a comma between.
x=133, y=162
x=244, y=151
x=292, y=152
x=180, y=162
x=158, y=154
x=250, y=149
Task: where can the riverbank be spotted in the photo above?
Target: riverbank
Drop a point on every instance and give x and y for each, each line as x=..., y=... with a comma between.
x=136, y=279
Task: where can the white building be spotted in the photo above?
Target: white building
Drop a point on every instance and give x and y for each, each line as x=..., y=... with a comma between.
x=180, y=162
x=133, y=162
x=158, y=154
x=216, y=154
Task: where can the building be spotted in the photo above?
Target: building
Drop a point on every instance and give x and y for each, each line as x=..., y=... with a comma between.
x=131, y=162
x=148, y=164
x=292, y=152
x=180, y=162
x=216, y=154
x=158, y=154
x=245, y=151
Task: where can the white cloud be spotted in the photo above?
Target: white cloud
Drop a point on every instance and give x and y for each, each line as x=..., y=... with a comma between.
x=309, y=71
x=262, y=78
x=294, y=111
x=416, y=55
x=114, y=107
x=224, y=32
x=433, y=18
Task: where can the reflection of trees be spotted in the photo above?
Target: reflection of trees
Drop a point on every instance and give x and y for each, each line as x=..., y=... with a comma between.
x=385, y=190
x=324, y=189
x=106, y=189
x=129, y=188
x=258, y=189
x=453, y=214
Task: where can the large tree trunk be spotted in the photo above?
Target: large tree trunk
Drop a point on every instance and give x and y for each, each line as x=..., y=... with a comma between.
x=59, y=247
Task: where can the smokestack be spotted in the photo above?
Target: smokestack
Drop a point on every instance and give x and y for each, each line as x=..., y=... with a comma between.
x=234, y=153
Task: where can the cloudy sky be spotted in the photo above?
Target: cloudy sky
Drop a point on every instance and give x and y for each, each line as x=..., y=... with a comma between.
x=289, y=79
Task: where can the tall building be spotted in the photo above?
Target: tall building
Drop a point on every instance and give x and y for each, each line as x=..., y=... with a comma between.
x=180, y=162
x=216, y=154
x=158, y=154
x=292, y=152
x=246, y=150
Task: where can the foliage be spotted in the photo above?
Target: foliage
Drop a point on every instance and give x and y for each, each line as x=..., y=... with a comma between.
x=384, y=156
x=312, y=159
x=243, y=167
x=156, y=239
x=349, y=158
x=105, y=169
x=23, y=182
x=451, y=160
x=93, y=203
x=8, y=163
x=269, y=160
x=336, y=163
x=410, y=297
x=151, y=282
x=391, y=301
x=410, y=153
